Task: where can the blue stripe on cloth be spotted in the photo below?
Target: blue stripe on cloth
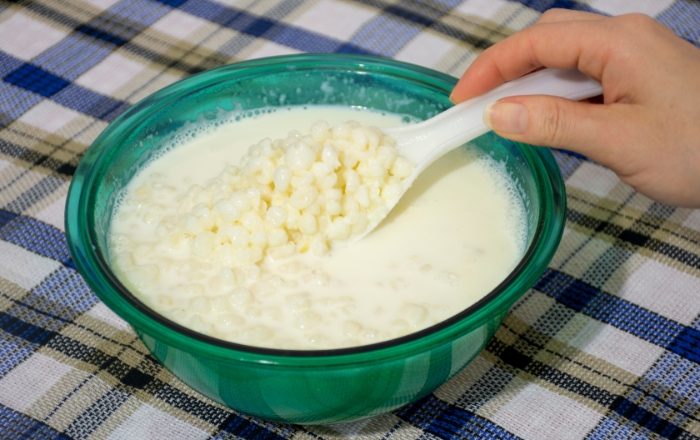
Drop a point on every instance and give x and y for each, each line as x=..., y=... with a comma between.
x=172, y=3
x=259, y=27
x=37, y=80
x=36, y=236
x=72, y=57
x=449, y=3
x=310, y=42
x=569, y=153
x=568, y=164
x=143, y=12
x=8, y=63
x=278, y=32
x=683, y=17
x=100, y=34
x=37, y=192
x=91, y=103
x=687, y=344
x=63, y=292
x=543, y=5
x=14, y=102
x=585, y=298
x=645, y=418
x=674, y=381
x=25, y=330
x=384, y=35
x=32, y=309
x=19, y=426
x=243, y=427
x=447, y=421
x=13, y=351
x=617, y=427
x=6, y=216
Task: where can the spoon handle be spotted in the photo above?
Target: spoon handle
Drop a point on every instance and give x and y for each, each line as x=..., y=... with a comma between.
x=465, y=121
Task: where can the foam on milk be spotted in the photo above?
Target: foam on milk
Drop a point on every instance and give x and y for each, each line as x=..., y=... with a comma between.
x=456, y=234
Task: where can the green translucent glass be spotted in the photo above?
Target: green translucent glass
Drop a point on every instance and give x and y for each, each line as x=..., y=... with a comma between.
x=302, y=386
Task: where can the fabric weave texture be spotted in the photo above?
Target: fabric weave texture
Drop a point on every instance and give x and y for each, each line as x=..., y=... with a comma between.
x=605, y=346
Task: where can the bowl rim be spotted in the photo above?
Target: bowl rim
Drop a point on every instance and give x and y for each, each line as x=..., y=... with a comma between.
x=93, y=266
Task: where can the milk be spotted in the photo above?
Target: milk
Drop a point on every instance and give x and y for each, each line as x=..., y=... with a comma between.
x=454, y=236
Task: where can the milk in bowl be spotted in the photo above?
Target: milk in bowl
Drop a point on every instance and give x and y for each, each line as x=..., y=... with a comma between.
x=244, y=230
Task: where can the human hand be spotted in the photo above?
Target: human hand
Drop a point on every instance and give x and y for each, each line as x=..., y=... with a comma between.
x=647, y=129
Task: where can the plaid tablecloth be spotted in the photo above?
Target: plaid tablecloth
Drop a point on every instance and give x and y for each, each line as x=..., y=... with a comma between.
x=606, y=346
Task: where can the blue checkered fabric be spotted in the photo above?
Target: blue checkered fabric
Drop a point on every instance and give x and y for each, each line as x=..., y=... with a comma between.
x=605, y=346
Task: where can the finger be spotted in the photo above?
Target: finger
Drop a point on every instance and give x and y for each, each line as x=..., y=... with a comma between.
x=558, y=15
x=581, y=45
x=591, y=129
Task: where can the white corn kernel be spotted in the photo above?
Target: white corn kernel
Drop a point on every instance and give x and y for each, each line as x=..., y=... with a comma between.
x=303, y=197
x=307, y=224
x=282, y=178
x=299, y=156
x=227, y=210
x=276, y=216
x=277, y=237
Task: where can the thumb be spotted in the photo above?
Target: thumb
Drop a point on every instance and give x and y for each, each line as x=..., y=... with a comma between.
x=556, y=122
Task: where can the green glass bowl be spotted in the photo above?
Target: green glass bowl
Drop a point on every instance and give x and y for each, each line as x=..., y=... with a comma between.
x=307, y=387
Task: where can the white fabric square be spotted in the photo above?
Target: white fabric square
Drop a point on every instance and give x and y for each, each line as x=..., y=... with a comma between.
x=5, y=169
x=664, y=290
x=151, y=423
x=426, y=49
x=693, y=220
x=616, y=346
x=111, y=74
x=539, y=414
x=179, y=24
x=594, y=179
x=270, y=49
x=53, y=214
x=49, y=116
x=24, y=37
x=483, y=8
x=102, y=4
x=30, y=380
x=101, y=312
x=618, y=7
x=334, y=18
x=23, y=267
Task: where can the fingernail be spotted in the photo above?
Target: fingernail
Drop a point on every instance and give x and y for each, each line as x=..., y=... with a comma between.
x=507, y=117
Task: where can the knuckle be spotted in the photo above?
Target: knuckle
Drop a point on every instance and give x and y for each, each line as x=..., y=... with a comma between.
x=553, y=125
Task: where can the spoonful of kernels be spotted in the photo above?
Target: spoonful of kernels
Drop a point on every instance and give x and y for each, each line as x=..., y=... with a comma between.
x=424, y=142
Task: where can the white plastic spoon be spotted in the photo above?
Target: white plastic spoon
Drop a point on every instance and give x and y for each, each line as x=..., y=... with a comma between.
x=424, y=142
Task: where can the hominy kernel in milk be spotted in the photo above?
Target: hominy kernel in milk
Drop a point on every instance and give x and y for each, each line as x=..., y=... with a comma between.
x=241, y=244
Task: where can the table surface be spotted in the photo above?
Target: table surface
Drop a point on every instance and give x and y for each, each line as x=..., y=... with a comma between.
x=606, y=345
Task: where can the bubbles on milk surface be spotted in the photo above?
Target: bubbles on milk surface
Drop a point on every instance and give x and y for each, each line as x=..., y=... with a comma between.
x=246, y=253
